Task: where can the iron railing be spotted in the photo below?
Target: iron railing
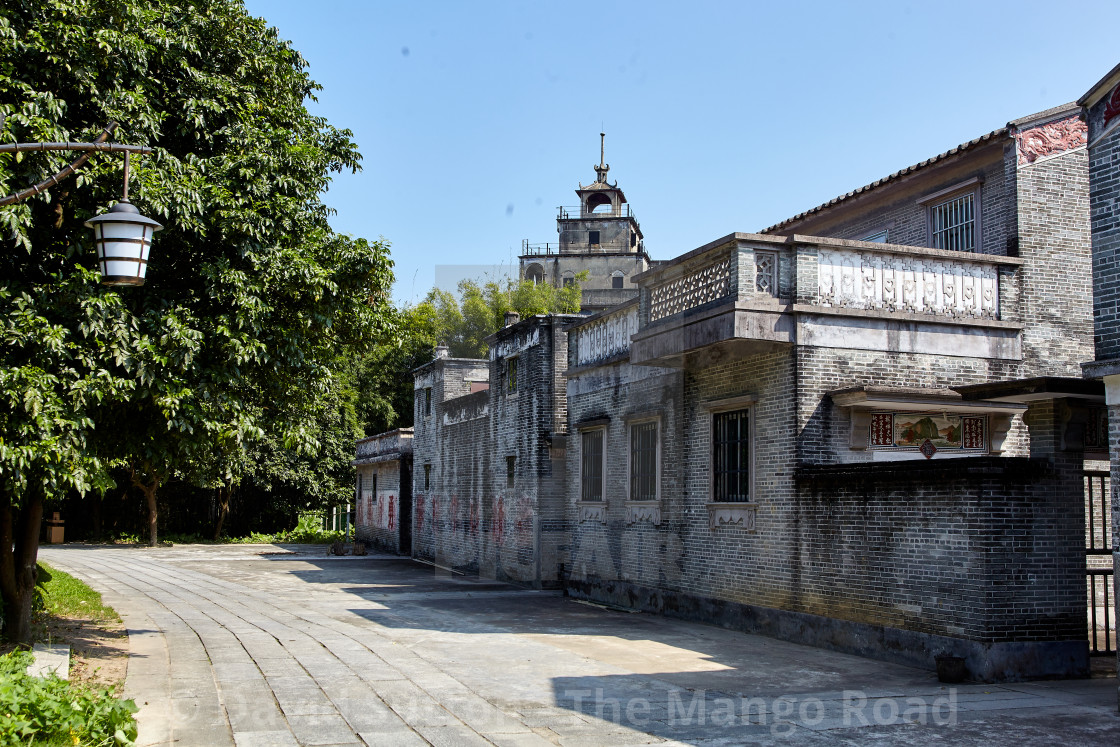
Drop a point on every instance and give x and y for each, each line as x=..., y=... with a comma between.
x=1098, y=564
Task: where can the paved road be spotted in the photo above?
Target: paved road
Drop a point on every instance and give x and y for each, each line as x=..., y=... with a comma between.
x=267, y=645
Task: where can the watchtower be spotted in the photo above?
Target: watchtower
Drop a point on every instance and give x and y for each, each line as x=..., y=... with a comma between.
x=600, y=236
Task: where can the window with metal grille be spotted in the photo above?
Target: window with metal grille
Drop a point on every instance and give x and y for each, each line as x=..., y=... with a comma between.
x=952, y=223
x=591, y=466
x=511, y=375
x=643, y=462
x=510, y=463
x=731, y=456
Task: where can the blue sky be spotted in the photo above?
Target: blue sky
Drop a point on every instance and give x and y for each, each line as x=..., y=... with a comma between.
x=477, y=119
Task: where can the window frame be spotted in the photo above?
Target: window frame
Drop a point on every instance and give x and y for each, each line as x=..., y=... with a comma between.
x=427, y=401
x=427, y=476
x=594, y=238
x=746, y=404
x=631, y=425
x=584, y=433
x=618, y=280
x=970, y=187
x=512, y=370
x=511, y=467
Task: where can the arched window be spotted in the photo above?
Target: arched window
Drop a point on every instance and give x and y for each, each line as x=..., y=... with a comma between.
x=534, y=273
x=617, y=279
x=599, y=203
x=568, y=278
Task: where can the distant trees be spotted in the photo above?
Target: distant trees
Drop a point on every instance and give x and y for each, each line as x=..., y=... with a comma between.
x=235, y=357
x=465, y=324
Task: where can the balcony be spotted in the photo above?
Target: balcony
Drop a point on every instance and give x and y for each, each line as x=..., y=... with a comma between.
x=751, y=293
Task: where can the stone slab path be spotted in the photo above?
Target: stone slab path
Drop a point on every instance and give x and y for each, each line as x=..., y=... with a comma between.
x=258, y=645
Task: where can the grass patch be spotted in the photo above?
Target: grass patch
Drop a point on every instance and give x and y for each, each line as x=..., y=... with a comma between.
x=62, y=595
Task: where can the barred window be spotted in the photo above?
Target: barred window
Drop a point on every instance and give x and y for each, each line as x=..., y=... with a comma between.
x=591, y=465
x=952, y=223
x=731, y=456
x=643, y=461
x=511, y=375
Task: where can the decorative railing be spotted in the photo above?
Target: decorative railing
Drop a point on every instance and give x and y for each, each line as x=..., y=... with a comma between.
x=605, y=337
x=708, y=283
x=887, y=281
x=393, y=442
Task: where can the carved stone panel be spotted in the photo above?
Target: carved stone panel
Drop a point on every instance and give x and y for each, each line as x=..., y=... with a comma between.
x=732, y=515
x=639, y=511
x=593, y=512
x=606, y=337
x=859, y=279
x=1051, y=138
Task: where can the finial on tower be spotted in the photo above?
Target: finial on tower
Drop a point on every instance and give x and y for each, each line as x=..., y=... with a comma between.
x=602, y=169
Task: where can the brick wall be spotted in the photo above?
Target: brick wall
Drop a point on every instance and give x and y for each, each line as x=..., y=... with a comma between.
x=1054, y=241
x=1104, y=198
x=895, y=207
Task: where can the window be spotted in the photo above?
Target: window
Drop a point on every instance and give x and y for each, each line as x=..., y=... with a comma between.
x=643, y=461
x=951, y=224
x=428, y=400
x=569, y=278
x=592, y=237
x=427, y=477
x=511, y=462
x=616, y=279
x=511, y=375
x=731, y=456
x=879, y=237
x=359, y=486
x=591, y=465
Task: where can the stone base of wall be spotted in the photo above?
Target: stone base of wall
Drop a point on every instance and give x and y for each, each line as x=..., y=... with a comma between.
x=986, y=662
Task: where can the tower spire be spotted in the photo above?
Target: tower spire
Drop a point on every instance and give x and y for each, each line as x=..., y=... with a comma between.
x=602, y=169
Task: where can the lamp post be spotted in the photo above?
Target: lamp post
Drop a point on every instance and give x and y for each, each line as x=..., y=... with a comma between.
x=122, y=235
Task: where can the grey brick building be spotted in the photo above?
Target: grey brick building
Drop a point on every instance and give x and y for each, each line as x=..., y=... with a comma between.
x=1101, y=111
x=863, y=428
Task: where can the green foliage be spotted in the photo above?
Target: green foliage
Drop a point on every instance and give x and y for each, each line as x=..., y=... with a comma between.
x=35, y=710
x=464, y=325
x=230, y=362
x=63, y=595
x=308, y=531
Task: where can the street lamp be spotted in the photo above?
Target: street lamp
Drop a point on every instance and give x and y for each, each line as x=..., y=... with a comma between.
x=122, y=235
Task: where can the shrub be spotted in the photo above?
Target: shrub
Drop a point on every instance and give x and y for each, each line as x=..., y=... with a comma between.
x=49, y=709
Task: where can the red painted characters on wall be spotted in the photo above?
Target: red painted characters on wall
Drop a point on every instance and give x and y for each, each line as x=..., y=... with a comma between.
x=420, y=512
x=392, y=512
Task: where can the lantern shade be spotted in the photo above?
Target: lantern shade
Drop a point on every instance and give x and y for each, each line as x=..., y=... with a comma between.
x=123, y=237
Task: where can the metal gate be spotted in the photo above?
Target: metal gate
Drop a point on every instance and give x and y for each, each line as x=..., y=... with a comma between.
x=1098, y=563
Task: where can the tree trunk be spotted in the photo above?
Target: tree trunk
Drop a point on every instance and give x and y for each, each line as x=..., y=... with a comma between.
x=19, y=552
x=149, y=490
x=95, y=509
x=223, y=509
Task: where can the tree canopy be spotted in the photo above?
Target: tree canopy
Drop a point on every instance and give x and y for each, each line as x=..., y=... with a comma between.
x=252, y=302
x=464, y=324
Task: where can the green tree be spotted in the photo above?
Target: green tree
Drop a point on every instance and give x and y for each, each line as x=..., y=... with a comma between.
x=251, y=301
x=465, y=324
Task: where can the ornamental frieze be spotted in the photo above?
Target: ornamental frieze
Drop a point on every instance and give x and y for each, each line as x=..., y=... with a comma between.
x=1051, y=138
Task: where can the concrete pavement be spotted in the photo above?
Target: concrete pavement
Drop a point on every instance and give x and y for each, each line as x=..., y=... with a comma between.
x=268, y=645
